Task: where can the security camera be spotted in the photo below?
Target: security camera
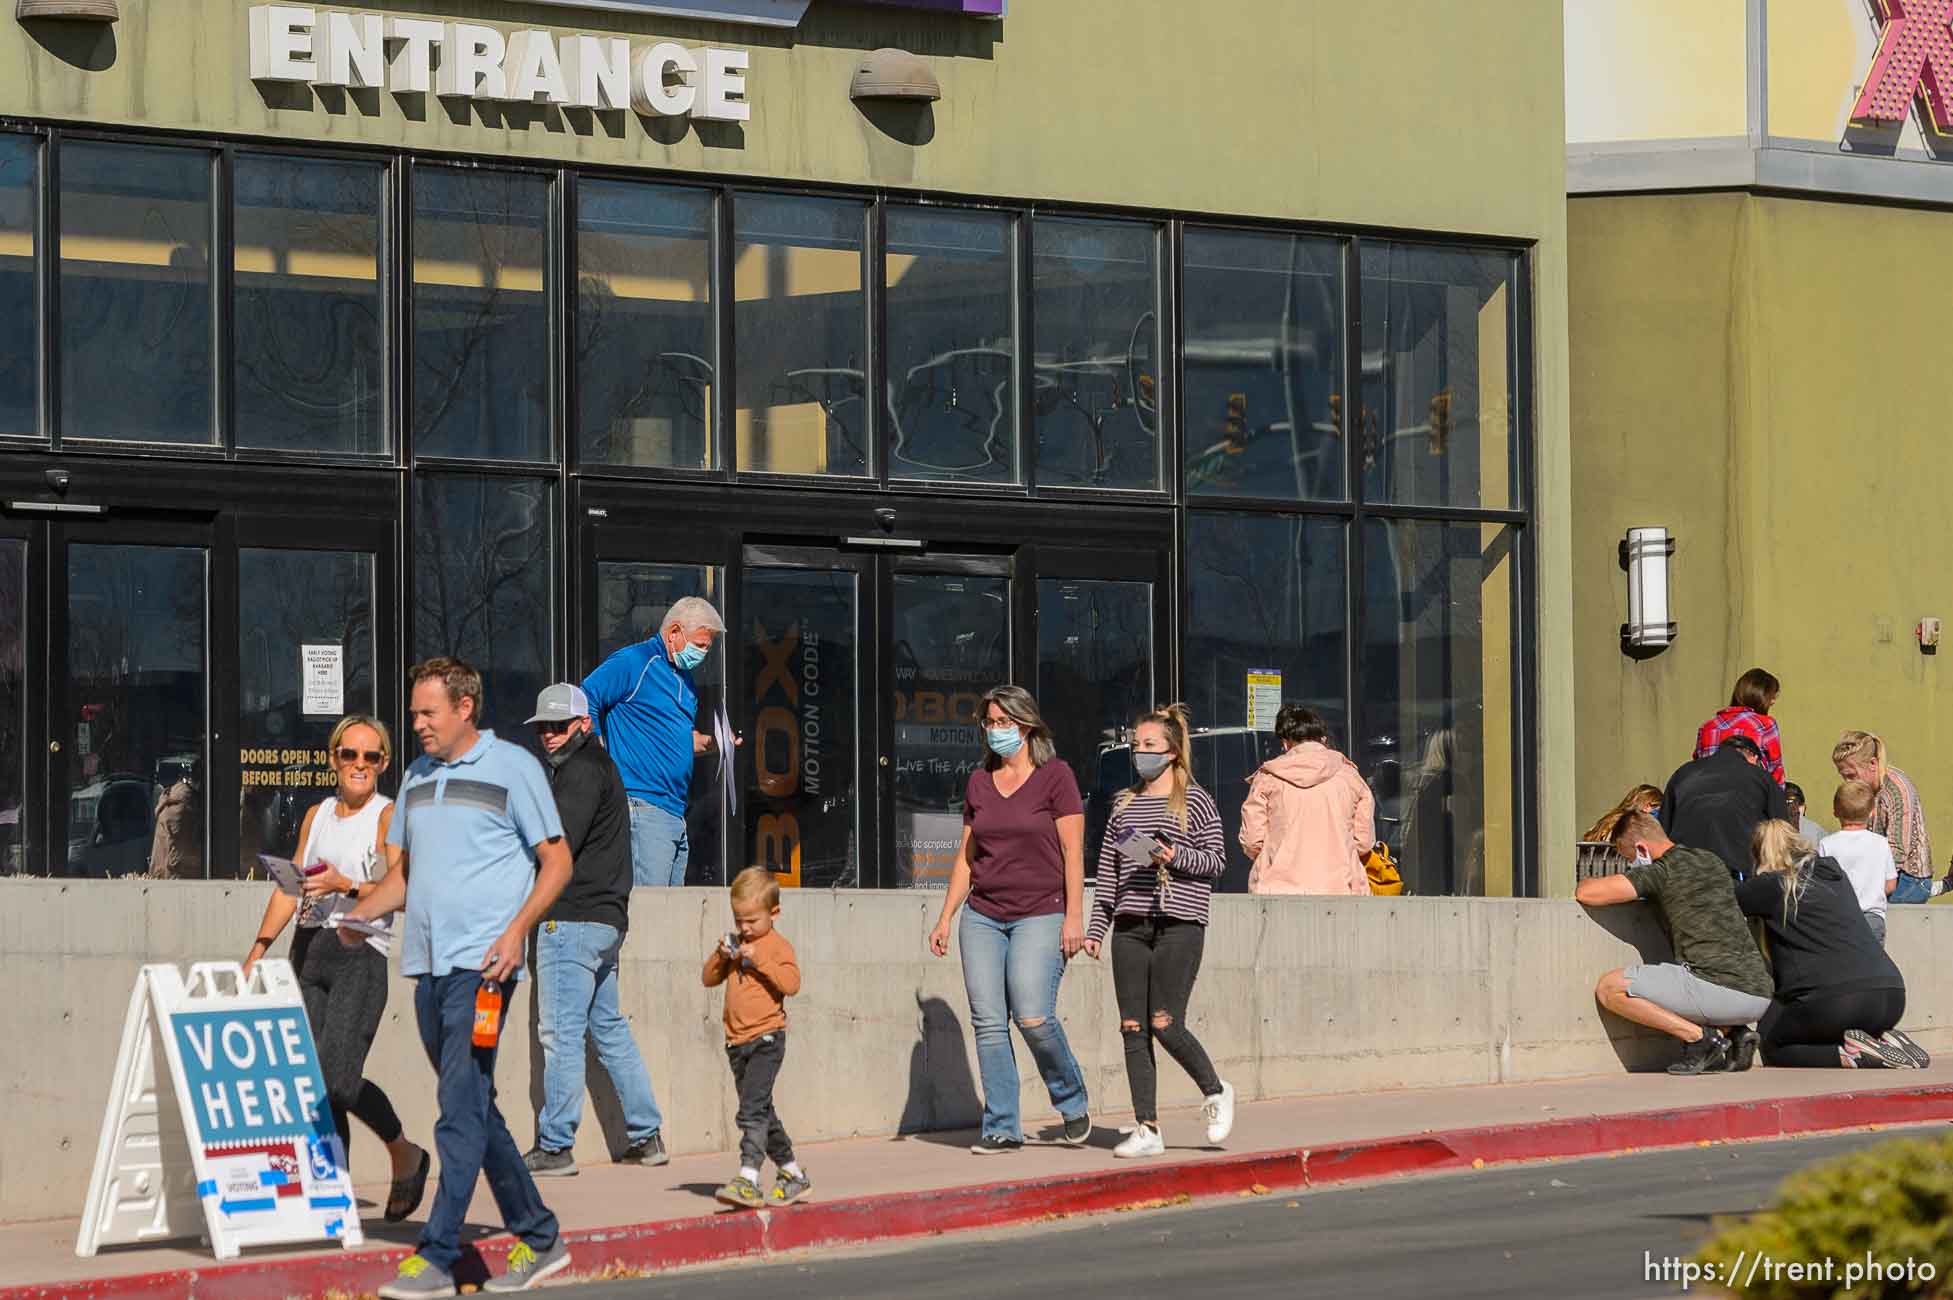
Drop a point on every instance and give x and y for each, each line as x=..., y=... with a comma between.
x=58, y=479
x=886, y=518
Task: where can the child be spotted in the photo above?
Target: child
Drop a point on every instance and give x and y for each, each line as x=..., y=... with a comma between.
x=1865, y=857
x=756, y=964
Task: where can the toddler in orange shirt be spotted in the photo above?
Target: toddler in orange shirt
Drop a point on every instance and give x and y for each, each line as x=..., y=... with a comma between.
x=756, y=964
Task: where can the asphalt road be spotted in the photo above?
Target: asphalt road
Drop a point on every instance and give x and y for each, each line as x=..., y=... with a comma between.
x=1574, y=1229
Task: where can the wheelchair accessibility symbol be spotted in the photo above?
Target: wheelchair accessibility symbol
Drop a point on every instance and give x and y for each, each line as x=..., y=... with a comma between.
x=324, y=1170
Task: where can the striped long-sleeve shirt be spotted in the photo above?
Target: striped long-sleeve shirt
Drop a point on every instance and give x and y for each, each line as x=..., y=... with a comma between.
x=1124, y=889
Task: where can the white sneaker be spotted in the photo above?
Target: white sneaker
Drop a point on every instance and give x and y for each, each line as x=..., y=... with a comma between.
x=1218, y=1111
x=1145, y=1141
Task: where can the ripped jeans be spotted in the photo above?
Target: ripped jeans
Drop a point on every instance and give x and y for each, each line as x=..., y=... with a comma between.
x=1154, y=962
x=1011, y=970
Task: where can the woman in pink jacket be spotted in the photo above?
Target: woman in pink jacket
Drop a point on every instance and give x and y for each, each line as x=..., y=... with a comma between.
x=1309, y=817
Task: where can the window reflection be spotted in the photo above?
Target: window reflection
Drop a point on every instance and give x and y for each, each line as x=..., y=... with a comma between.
x=19, y=338
x=1440, y=373
x=801, y=328
x=645, y=336
x=799, y=810
x=482, y=563
x=1436, y=677
x=1268, y=600
x=136, y=311
x=481, y=314
x=631, y=597
x=952, y=386
x=137, y=684
x=295, y=606
x=1096, y=291
x=1263, y=358
x=1095, y=675
x=310, y=371
x=13, y=707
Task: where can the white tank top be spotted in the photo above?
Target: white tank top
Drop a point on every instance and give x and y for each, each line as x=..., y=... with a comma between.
x=349, y=845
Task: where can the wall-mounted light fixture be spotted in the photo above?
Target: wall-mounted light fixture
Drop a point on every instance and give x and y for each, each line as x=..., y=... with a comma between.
x=95, y=11
x=894, y=74
x=1644, y=554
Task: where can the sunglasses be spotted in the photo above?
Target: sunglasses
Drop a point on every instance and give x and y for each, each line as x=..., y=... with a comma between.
x=555, y=728
x=373, y=757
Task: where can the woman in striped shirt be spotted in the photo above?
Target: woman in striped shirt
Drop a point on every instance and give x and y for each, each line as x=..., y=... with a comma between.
x=1157, y=867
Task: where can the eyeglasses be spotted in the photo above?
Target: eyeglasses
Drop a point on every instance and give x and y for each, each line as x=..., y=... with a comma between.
x=555, y=728
x=373, y=757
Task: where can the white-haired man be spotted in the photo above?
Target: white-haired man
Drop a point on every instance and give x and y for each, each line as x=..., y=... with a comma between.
x=645, y=708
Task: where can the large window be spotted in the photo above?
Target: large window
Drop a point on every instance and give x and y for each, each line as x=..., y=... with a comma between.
x=801, y=322
x=308, y=311
x=1439, y=375
x=952, y=364
x=137, y=316
x=20, y=353
x=1096, y=287
x=1263, y=359
x=481, y=382
x=13, y=706
x=483, y=577
x=645, y=340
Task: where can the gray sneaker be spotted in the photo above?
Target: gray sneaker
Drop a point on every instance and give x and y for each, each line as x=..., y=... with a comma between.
x=788, y=1189
x=651, y=1151
x=544, y=1163
x=418, y=1280
x=527, y=1268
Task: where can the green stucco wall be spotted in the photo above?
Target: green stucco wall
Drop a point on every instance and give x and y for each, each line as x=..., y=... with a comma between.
x=1763, y=375
x=1440, y=116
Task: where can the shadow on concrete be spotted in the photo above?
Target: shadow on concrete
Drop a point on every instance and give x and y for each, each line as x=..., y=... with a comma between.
x=1639, y=1049
x=942, y=1104
x=88, y=46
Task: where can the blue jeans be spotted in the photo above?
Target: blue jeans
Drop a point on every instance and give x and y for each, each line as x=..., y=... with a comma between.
x=470, y=1136
x=1911, y=889
x=660, y=848
x=576, y=982
x=1011, y=970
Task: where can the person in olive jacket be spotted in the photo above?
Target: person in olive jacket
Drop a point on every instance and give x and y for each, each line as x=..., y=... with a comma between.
x=578, y=943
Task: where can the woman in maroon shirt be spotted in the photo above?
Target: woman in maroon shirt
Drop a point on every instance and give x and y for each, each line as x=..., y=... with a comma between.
x=1021, y=866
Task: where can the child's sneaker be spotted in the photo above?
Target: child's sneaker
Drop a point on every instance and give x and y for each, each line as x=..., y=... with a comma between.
x=789, y=1188
x=741, y=1192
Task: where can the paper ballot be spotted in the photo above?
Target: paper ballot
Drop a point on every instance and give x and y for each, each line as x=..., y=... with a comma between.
x=347, y=921
x=286, y=872
x=724, y=742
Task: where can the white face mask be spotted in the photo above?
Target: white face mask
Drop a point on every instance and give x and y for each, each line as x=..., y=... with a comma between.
x=1641, y=858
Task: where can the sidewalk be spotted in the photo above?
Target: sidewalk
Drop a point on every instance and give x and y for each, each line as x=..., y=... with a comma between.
x=881, y=1189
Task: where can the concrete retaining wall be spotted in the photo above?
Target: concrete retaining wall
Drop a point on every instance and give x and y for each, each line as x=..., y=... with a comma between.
x=1296, y=995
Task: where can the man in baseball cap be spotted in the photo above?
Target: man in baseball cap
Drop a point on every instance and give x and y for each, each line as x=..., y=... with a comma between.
x=578, y=942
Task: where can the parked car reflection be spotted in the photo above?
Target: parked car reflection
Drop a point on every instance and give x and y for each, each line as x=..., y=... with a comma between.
x=110, y=824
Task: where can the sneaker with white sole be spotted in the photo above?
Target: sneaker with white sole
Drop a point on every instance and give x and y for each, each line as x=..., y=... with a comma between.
x=1903, y=1041
x=1218, y=1111
x=528, y=1269
x=1145, y=1141
x=419, y=1279
x=1876, y=1051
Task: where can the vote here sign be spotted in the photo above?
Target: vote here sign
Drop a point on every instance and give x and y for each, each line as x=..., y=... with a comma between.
x=252, y=1075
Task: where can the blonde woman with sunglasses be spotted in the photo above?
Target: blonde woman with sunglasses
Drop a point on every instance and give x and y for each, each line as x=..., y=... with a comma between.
x=342, y=847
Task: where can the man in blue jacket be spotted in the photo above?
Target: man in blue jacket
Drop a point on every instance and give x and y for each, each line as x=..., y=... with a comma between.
x=644, y=707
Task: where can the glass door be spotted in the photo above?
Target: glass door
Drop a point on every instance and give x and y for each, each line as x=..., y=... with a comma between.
x=129, y=735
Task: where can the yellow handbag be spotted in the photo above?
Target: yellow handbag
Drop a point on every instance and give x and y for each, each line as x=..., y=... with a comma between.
x=1382, y=870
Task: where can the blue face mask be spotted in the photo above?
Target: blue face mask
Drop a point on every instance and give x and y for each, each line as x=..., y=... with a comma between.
x=1004, y=741
x=690, y=656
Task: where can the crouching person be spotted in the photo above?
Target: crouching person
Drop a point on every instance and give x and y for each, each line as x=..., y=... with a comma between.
x=1717, y=987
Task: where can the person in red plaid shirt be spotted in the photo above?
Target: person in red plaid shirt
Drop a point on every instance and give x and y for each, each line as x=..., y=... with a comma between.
x=1748, y=714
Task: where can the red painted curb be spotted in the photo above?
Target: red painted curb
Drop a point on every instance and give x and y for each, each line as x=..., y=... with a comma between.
x=735, y=1234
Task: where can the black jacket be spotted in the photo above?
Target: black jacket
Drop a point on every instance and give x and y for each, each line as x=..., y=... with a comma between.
x=1823, y=945
x=1715, y=802
x=597, y=825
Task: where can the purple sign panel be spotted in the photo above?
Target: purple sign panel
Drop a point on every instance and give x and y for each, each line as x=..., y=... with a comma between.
x=766, y=13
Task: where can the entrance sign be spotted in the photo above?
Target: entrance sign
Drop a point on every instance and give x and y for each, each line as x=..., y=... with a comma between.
x=217, y=1118
x=473, y=61
x=1913, y=66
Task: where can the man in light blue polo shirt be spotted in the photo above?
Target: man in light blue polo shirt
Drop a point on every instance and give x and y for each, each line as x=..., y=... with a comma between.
x=645, y=709
x=476, y=854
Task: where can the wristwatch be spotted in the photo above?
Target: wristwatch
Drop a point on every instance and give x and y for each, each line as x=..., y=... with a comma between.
x=352, y=892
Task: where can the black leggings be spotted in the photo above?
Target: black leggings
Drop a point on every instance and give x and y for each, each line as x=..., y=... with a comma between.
x=345, y=992
x=1154, y=962
x=1807, y=1034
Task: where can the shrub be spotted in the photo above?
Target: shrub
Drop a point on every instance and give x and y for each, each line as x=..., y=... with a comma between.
x=1887, y=1208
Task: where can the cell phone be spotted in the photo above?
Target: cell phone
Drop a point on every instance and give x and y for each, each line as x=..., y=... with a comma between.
x=315, y=869
x=1161, y=841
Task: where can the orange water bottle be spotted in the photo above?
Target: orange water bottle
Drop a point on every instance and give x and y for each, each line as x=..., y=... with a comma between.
x=488, y=1013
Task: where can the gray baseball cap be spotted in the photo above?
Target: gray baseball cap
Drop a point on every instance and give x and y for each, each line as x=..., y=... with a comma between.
x=561, y=703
